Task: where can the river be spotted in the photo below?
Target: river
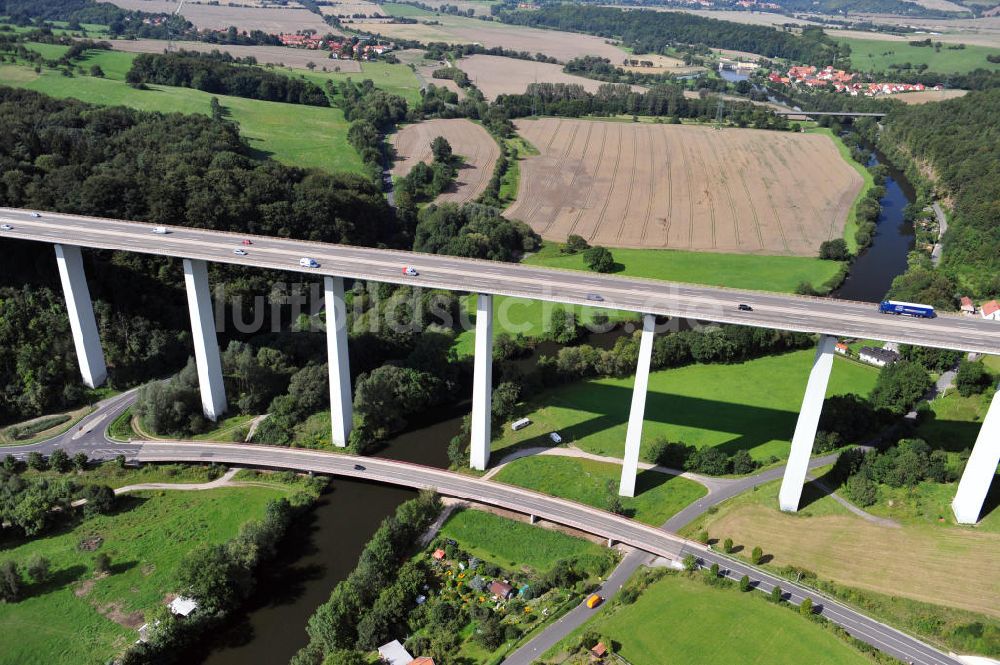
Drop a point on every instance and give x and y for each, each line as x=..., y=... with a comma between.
x=325, y=546
x=873, y=271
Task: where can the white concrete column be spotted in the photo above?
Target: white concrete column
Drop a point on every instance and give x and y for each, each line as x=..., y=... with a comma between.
x=341, y=407
x=633, y=438
x=805, y=428
x=81, y=315
x=980, y=469
x=206, y=345
x=482, y=384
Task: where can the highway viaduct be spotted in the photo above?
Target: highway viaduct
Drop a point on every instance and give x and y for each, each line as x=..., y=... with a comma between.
x=827, y=317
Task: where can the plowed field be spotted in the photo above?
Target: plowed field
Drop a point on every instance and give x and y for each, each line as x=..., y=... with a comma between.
x=684, y=187
x=471, y=141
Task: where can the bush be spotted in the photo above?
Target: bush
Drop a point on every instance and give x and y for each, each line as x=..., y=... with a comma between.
x=756, y=555
x=861, y=490
x=727, y=546
x=776, y=594
x=834, y=250
x=102, y=564
x=806, y=607
x=574, y=244
x=59, y=461
x=972, y=378
x=10, y=582
x=39, y=569
x=744, y=583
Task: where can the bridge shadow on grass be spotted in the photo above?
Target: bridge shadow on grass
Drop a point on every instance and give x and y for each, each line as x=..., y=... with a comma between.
x=749, y=426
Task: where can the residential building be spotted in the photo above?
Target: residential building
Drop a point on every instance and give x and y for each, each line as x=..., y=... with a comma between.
x=393, y=653
x=842, y=349
x=991, y=310
x=967, y=306
x=878, y=357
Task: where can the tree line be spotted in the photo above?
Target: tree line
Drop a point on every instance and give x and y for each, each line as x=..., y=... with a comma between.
x=222, y=74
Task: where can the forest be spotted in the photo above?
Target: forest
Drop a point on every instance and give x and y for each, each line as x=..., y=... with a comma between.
x=956, y=142
x=222, y=74
x=652, y=32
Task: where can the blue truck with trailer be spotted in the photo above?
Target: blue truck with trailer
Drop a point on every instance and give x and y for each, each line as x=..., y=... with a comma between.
x=906, y=308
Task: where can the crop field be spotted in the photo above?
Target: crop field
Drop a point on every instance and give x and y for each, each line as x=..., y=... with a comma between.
x=273, y=55
x=918, y=560
x=467, y=139
x=930, y=96
x=348, y=9
x=496, y=75
x=563, y=46
x=684, y=187
x=220, y=17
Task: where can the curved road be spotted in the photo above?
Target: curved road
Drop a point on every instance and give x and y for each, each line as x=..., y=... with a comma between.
x=89, y=437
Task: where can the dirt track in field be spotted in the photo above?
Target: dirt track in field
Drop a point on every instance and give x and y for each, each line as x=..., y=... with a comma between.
x=684, y=187
x=471, y=141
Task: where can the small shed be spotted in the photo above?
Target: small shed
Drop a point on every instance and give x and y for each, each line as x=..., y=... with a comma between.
x=182, y=606
x=438, y=554
x=599, y=650
x=501, y=590
x=393, y=653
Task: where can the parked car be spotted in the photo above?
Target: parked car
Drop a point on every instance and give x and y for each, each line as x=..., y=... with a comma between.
x=6, y=227
x=306, y=262
x=745, y=308
x=409, y=272
x=594, y=296
x=555, y=437
x=160, y=230
x=594, y=600
x=240, y=252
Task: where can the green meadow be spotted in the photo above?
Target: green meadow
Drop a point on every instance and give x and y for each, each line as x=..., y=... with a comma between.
x=872, y=55
x=750, y=406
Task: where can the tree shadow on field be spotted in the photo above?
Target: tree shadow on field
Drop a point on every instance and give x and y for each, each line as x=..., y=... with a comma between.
x=57, y=580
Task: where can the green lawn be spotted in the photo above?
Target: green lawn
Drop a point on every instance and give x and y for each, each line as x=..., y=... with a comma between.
x=682, y=620
x=744, y=271
x=955, y=420
x=658, y=495
x=749, y=406
x=514, y=545
x=306, y=136
x=875, y=55
x=67, y=621
x=47, y=51
x=398, y=79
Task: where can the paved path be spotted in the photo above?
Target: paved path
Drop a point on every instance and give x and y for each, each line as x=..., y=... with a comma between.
x=221, y=481
x=942, y=221
x=868, y=517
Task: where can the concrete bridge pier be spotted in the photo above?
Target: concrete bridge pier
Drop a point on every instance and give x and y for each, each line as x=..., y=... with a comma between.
x=980, y=469
x=482, y=384
x=81, y=315
x=341, y=407
x=633, y=437
x=206, y=345
x=805, y=428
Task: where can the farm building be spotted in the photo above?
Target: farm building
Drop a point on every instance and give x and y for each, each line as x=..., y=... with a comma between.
x=879, y=357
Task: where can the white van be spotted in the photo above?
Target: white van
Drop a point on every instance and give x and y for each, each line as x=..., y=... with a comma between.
x=520, y=424
x=160, y=230
x=308, y=263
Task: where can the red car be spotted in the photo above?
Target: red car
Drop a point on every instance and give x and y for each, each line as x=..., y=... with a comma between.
x=410, y=272
x=247, y=242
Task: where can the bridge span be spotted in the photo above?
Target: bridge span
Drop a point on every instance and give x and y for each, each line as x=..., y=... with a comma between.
x=828, y=317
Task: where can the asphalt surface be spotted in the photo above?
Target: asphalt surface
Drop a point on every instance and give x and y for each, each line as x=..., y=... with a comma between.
x=89, y=437
x=770, y=310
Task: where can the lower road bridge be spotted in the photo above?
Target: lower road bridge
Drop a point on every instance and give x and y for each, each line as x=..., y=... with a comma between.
x=839, y=114
x=585, y=518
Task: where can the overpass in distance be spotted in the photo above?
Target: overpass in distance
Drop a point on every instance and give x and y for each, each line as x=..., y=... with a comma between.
x=827, y=317
x=839, y=114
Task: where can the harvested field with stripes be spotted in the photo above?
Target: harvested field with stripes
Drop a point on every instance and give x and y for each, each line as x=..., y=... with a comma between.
x=684, y=187
x=469, y=140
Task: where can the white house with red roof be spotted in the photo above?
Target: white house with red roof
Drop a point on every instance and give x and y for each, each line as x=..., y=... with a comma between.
x=991, y=310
